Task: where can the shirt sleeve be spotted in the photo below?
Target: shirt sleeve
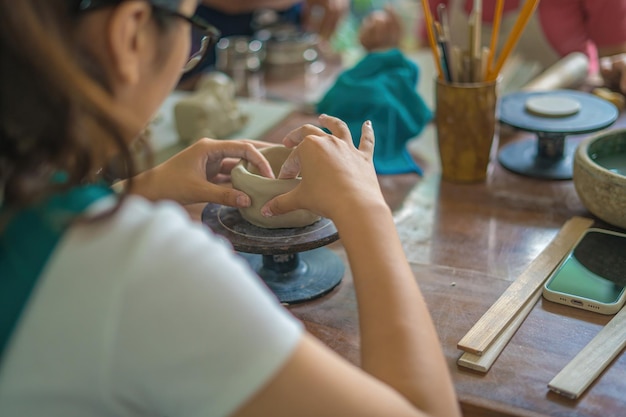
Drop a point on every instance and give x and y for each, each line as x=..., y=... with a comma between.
x=198, y=333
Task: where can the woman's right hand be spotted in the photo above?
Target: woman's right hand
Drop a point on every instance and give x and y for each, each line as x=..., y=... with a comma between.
x=337, y=178
x=403, y=372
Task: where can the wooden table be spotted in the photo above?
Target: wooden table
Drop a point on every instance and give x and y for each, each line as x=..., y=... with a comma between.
x=466, y=243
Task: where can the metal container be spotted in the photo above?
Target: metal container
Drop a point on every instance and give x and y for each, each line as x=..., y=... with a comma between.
x=289, y=53
x=241, y=58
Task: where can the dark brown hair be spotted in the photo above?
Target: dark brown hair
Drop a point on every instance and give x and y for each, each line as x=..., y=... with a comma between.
x=50, y=95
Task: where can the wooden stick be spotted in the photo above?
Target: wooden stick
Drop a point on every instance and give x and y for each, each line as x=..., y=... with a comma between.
x=495, y=30
x=476, y=39
x=502, y=312
x=484, y=60
x=581, y=371
x=428, y=21
x=457, y=64
x=484, y=362
x=469, y=53
x=522, y=19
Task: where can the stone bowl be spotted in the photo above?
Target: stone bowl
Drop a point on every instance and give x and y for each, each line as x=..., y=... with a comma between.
x=245, y=177
x=600, y=176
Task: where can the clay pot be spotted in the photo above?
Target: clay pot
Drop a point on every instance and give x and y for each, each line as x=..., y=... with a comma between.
x=245, y=177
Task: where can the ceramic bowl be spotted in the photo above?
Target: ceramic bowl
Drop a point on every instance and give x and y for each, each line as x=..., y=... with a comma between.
x=600, y=176
x=245, y=177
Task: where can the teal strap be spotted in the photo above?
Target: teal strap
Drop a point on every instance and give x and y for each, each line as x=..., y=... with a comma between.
x=25, y=247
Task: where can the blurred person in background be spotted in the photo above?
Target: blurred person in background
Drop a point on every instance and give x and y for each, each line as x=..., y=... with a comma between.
x=557, y=28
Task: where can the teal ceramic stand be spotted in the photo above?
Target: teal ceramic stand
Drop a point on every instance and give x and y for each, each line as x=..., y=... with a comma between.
x=550, y=156
x=292, y=262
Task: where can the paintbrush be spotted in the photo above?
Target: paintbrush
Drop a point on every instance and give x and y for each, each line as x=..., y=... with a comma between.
x=522, y=19
x=442, y=15
x=428, y=22
x=475, y=47
x=446, y=63
x=494, y=35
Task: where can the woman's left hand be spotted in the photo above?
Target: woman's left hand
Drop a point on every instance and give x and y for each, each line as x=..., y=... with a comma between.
x=201, y=173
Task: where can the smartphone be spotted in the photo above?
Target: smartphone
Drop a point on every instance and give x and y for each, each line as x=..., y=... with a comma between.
x=593, y=274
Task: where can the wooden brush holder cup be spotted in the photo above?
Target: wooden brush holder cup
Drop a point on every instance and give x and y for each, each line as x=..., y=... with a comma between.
x=465, y=118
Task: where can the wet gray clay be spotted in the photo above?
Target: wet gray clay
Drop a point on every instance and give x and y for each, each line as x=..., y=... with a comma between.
x=245, y=177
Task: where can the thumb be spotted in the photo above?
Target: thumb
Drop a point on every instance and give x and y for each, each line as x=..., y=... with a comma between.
x=367, y=138
x=280, y=204
x=291, y=166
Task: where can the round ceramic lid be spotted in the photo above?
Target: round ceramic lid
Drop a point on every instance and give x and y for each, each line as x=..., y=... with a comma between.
x=552, y=106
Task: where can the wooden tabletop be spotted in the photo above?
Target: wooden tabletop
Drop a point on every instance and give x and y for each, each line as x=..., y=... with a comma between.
x=466, y=243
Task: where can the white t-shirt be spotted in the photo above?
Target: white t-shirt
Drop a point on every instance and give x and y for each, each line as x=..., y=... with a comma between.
x=144, y=314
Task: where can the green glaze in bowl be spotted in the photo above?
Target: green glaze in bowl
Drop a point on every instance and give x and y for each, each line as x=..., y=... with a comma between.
x=600, y=176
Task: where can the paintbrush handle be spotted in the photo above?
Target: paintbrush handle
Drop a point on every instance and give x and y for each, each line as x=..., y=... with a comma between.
x=495, y=30
x=428, y=22
x=521, y=22
x=445, y=52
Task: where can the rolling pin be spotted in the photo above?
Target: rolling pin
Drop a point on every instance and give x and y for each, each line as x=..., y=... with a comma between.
x=570, y=71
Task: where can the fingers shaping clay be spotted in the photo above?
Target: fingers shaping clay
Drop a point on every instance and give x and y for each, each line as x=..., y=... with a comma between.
x=245, y=177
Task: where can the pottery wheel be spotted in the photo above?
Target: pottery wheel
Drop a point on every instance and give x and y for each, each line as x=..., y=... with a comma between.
x=551, y=115
x=291, y=261
x=248, y=238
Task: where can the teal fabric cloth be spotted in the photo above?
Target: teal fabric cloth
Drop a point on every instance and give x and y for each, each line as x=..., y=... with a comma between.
x=382, y=88
x=25, y=247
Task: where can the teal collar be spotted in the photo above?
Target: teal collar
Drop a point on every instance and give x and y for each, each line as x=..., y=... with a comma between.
x=26, y=245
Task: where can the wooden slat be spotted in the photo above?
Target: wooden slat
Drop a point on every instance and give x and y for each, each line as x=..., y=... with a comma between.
x=581, y=371
x=502, y=312
x=483, y=362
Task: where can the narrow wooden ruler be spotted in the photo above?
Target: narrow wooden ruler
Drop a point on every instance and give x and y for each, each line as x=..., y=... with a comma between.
x=483, y=362
x=581, y=371
x=503, y=311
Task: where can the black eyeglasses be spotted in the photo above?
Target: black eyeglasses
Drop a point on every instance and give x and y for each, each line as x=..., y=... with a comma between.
x=204, y=35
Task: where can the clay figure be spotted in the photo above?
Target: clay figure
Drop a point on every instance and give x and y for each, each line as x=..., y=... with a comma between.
x=211, y=111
